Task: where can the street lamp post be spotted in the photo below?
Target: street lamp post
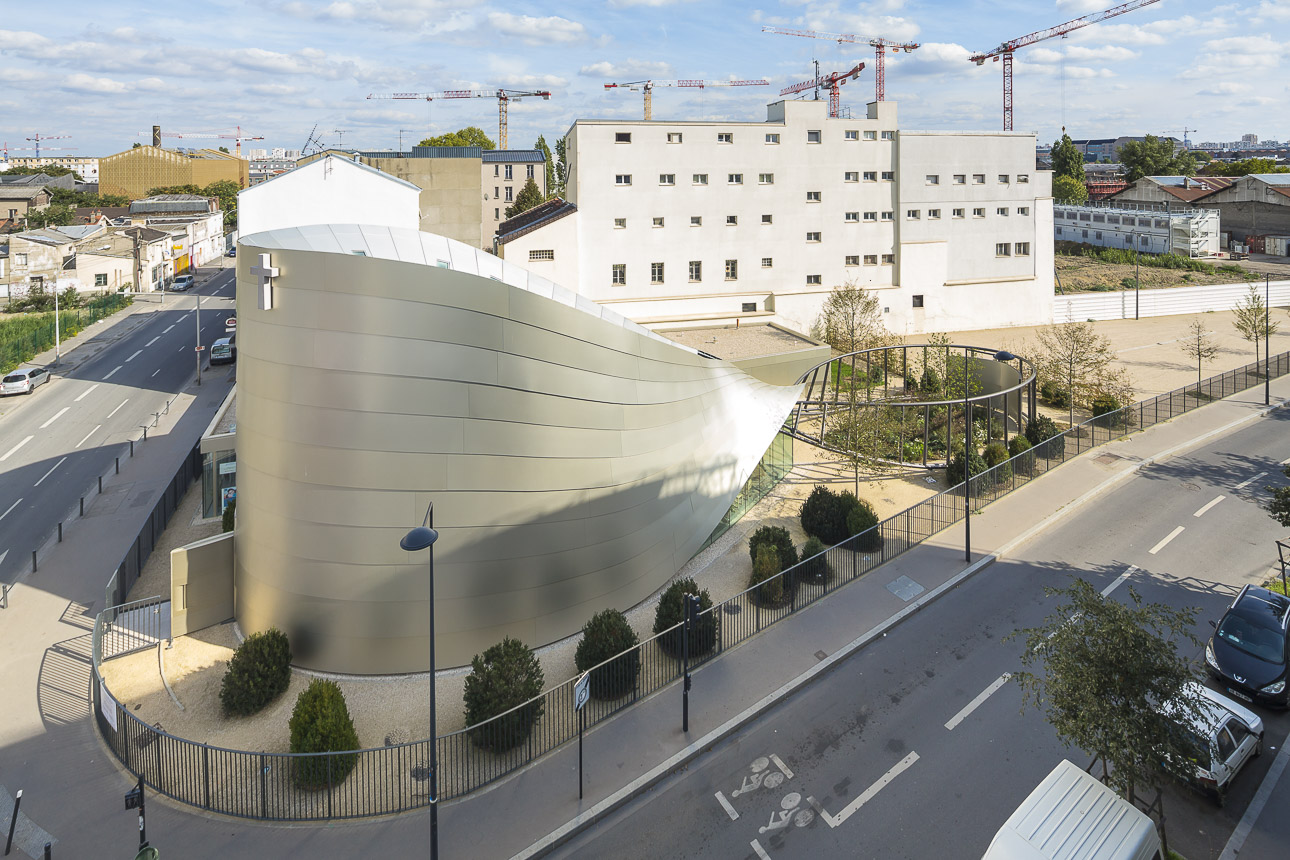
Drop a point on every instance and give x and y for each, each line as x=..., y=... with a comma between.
x=58, y=344
x=199, y=339
x=423, y=537
x=1267, y=339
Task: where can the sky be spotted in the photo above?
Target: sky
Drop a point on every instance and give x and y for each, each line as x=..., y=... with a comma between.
x=104, y=73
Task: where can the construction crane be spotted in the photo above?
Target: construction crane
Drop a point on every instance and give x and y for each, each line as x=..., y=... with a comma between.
x=503, y=97
x=1006, y=49
x=208, y=135
x=648, y=88
x=833, y=80
x=880, y=47
x=1185, y=132
x=37, y=138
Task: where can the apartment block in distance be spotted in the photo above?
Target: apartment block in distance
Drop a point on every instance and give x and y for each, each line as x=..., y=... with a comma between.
x=699, y=223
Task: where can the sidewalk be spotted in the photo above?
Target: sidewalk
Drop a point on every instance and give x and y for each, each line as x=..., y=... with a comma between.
x=630, y=753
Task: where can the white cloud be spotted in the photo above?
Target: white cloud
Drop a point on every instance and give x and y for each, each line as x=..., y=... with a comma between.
x=537, y=31
x=1224, y=88
x=89, y=84
x=1106, y=53
x=1080, y=8
x=421, y=16
x=1274, y=10
x=531, y=82
x=628, y=69
x=624, y=4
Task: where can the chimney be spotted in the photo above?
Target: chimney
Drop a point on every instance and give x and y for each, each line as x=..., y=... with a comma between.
x=156, y=135
x=1186, y=182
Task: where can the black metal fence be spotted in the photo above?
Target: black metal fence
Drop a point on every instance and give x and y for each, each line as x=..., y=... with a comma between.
x=299, y=787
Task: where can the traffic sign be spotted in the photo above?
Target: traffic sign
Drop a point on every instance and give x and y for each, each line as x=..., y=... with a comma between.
x=231, y=322
x=199, y=349
x=582, y=691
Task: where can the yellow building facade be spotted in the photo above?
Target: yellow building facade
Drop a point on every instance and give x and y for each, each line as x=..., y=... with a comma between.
x=136, y=171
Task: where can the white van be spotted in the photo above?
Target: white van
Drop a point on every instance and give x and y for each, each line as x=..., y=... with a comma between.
x=1073, y=816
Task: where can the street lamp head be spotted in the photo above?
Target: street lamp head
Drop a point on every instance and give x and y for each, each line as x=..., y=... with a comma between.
x=1004, y=355
x=419, y=538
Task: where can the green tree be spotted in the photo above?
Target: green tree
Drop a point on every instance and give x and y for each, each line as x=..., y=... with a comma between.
x=550, y=165
x=1067, y=160
x=1080, y=360
x=1199, y=346
x=609, y=640
x=851, y=320
x=530, y=195
x=468, y=136
x=53, y=215
x=1252, y=320
x=1244, y=167
x=50, y=170
x=225, y=191
x=561, y=168
x=1101, y=668
x=1155, y=156
x=223, y=149
x=1279, y=504
x=504, y=677
x=765, y=576
x=1068, y=190
x=320, y=723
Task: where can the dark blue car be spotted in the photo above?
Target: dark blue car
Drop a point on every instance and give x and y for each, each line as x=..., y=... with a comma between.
x=1250, y=650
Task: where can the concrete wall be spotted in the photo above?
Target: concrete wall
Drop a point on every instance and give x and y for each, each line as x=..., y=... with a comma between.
x=201, y=584
x=451, y=192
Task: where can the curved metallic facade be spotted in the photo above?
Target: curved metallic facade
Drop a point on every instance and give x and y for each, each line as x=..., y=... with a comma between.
x=575, y=459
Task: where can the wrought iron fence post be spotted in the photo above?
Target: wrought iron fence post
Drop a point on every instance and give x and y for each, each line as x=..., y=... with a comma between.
x=264, y=788
x=206, y=776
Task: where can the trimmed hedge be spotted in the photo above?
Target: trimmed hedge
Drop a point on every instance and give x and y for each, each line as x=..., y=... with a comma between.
x=671, y=611
x=605, y=635
x=258, y=673
x=815, y=567
x=824, y=514
x=861, y=520
x=1041, y=429
x=320, y=723
x=778, y=539
x=767, y=584
x=1019, y=447
x=501, y=679
x=954, y=470
x=996, y=454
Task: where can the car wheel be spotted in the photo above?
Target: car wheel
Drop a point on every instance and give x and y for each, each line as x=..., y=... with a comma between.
x=30, y=388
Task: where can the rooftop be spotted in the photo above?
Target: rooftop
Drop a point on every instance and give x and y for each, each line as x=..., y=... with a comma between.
x=733, y=343
x=526, y=222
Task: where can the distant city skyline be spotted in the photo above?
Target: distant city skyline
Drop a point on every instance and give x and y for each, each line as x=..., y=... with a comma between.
x=278, y=69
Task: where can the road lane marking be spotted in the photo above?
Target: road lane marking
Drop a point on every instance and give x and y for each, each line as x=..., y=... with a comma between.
x=1249, y=481
x=50, y=472
x=761, y=852
x=725, y=804
x=167, y=329
x=11, y=507
x=114, y=370
x=57, y=415
x=869, y=793
x=183, y=349
x=118, y=409
x=184, y=317
x=1252, y=812
x=85, y=392
x=1208, y=506
x=2, y=556
x=1285, y=462
x=788, y=774
x=88, y=435
x=978, y=701
x=137, y=353
x=155, y=372
x=151, y=342
x=1173, y=534
x=1119, y=580
x=15, y=448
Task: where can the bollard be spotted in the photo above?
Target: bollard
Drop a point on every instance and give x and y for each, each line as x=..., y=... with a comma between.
x=33, y=561
x=4, y=595
x=83, y=503
x=60, y=532
x=145, y=433
x=49, y=850
x=13, y=820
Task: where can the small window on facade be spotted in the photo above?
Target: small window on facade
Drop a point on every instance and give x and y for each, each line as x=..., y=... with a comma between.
x=853, y=259
x=813, y=136
x=667, y=179
x=696, y=271
x=497, y=213
x=812, y=237
x=960, y=179
x=620, y=274
x=978, y=179
x=812, y=197
x=696, y=220
x=1022, y=178
x=918, y=301
x=732, y=220
x=510, y=194
x=1022, y=249
x=658, y=221
x=851, y=134
x=933, y=179
x=748, y=307
x=541, y=255
x=871, y=216
x=767, y=262
x=1003, y=179
x=622, y=137
x=812, y=280
x=725, y=137
x=871, y=259
x=888, y=215
x=978, y=212
x=700, y=179
x=509, y=175
x=767, y=219
x=934, y=214
x=620, y=223
x=912, y=214
x=958, y=213
x=1025, y=210
x=528, y=172
x=851, y=176
x=888, y=259
x=100, y=280
x=1003, y=249
x=497, y=192
x=497, y=170
x=623, y=179
x=853, y=217
x=889, y=176
x=1002, y=210
x=889, y=135
x=674, y=137
x=772, y=138
x=1099, y=234
x=735, y=178
x=871, y=176
x=732, y=270
x=766, y=178
x=656, y=273
x=871, y=135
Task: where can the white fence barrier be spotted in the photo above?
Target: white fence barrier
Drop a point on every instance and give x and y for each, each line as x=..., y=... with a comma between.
x=1161, y=303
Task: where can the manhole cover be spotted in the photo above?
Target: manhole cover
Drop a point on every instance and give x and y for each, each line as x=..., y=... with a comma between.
x=732, y=609
x=420, y=773
x=1107, y=459
x=820, y=655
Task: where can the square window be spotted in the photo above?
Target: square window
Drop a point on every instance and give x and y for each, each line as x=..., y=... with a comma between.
x=813, y=136
x=888, y=259
x=933, y=179
x=767, y=262
x=1003, y=179
x=853, y=217
x=735, y=178
x=748, y=307
x=978, y=212
x=1025, y=210
x=767, y=219
x=700, y=179
x=958, y=213
x=623, y=179
x=725, y=137
x=978, y=179
x=620, y=223
x=732, y=220
x=851, y=176
x=918, y=301
x=888, y=215
x=871, y=259
x=934, y=214
x=766, y=178
x=871, y=216
x=667, y=179
x=100, y=280
x=853, y=260
x=812, y=237
x=889, y=135
x=912, y=214
x=658, y=222
x=1022, y=178
x=812, y=280
x=772, y=138
x=871, y=176
x=656, y=273
x=871, y=135
x=732, y=270
x=620, y=274
x=1022, y=249
x=696, y=271
x=960, y=179
x=888, y=176
x=1002, y=210
x=674, y=137
x=622, y=137
x=851, y=134
x=1003, y=249
x=812, y=197
x=696, y=220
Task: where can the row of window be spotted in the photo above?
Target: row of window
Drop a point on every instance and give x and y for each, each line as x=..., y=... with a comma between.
x=1083, y=234
x=1162, y=223
x=814, y=135
x=847, y=176
x=509, y=194
x=528, y=170
x=978, y=179
x=1017, y=249
x=694, y=268
x=848, y=217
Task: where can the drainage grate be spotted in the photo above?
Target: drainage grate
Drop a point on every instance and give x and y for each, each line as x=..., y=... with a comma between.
x=1107, y=459
x=820, y=655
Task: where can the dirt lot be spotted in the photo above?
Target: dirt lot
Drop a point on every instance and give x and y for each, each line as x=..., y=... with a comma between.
x=1081, y=274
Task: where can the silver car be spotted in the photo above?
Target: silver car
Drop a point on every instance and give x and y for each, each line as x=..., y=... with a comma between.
x=1225, y=735
x=182, y=283
x=23, y=380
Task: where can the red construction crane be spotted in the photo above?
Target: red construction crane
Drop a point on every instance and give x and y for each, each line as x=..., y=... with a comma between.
x=648, y=88
x=503, y=97
x=39, y=137
x=833, y=80
x=1005, y=50
x=209, y=135
x=880, y=47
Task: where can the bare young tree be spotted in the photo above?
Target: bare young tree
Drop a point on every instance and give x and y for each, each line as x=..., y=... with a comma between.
x=1252, y=320
x=851, y=320
x=1075, y=354
x=1199, y=346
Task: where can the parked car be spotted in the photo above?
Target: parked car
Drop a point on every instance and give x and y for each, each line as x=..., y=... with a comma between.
x=1250, y=649
x=23, y=380
x=182, y=283
x=223, y=351
x=232, y=252
x=1225, y=735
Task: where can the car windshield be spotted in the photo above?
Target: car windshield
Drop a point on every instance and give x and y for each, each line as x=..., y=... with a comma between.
x=1253, y=638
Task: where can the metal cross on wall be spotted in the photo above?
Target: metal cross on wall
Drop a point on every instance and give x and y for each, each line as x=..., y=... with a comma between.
x=266, y=274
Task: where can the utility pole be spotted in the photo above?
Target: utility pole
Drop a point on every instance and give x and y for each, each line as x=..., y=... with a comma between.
x=1267, y=339
x=199, y=339
x=1137, y=285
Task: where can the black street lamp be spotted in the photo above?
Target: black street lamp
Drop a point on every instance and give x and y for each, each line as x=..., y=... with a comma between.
x=1267, y=339
x=423, y=537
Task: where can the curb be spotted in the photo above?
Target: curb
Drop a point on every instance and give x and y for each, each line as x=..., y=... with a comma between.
x=659, y=772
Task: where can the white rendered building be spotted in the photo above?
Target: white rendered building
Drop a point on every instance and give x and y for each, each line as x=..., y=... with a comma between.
x=681, y=223
x=330, y=190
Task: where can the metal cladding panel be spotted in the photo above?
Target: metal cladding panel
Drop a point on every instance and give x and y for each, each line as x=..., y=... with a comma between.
x=576, y=460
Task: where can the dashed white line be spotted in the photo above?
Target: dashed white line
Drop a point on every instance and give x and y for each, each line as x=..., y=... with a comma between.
x=1173, y=534
x=85, y=392
x=1249, y=481
x=167, y=329
x=118, y=409
x=114, y=370
x=14, y=449
x=1209, y=505
x=184, y=317
x=869, y=793
x=59, y=414
x=137, y=353
x=978, y=701
x=151, y=342
x=725, y=804
x=50, y=472
x=88, y=435
x=761, y=852
x=1119, y=580
x=11, y=507
x=155, y=372
x=788, y=774
x=183, y=349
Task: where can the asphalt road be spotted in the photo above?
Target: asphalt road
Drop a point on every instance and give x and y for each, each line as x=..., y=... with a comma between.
x=55, y=443
x=918, y=747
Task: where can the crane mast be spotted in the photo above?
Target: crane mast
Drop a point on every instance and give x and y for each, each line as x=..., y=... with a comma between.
x=503, y=97
x=879, y=45
x=648, y=88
